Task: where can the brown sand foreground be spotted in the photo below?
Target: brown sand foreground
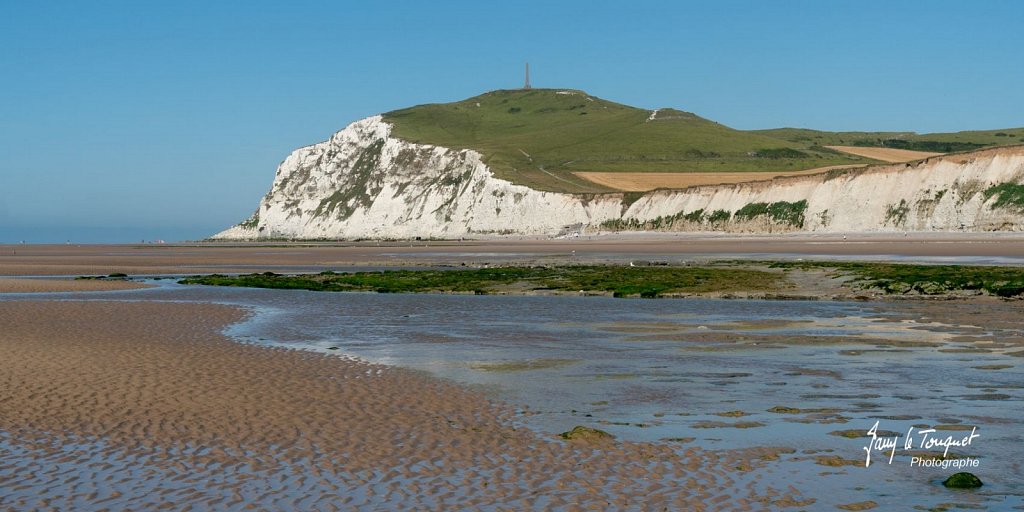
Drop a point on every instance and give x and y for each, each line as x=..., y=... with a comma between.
x=885, y=154
x=188, y=418
x=242, y=257
x=644, y=181
x=64, y=285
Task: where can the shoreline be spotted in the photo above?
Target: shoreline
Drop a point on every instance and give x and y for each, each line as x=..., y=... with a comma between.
x=235, y=257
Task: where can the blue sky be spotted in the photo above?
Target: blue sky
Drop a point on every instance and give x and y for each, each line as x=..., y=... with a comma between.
x=122, y=121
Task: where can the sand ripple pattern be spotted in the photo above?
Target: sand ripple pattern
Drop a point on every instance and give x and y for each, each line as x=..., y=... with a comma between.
x=10, y=285
x=114, y=405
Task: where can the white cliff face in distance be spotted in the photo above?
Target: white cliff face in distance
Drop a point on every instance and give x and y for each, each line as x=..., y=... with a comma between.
x=364, y=183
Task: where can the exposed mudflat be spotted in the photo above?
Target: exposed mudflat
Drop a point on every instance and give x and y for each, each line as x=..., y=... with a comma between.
x=20, y=285
x=138, y=405
x=222, y=398
x=74, y=260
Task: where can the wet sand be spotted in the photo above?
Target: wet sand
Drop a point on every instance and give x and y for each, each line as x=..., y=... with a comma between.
x=674, y=247
x=144, y=404
x=10, y=285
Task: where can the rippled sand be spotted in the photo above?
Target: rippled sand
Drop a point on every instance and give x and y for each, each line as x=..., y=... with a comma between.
x=144, y=405
x=64, y=285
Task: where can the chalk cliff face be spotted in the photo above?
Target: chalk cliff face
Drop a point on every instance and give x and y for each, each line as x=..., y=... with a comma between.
x=364, y=183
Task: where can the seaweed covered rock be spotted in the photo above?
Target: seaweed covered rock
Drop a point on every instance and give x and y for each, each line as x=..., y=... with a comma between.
x=581, y=433
x=963, y=480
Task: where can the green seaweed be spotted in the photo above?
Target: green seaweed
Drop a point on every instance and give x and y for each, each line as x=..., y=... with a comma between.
x=582, y=433
x=897, y=278
x=648, y=282
x=963, y=480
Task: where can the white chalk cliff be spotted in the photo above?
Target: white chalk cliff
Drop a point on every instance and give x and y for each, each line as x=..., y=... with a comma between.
x=364, y=183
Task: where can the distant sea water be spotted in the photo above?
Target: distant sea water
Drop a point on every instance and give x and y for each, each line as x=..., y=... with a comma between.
x=100, y=235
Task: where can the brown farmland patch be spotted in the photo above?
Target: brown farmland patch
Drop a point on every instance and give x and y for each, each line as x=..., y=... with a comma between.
x=885, y=154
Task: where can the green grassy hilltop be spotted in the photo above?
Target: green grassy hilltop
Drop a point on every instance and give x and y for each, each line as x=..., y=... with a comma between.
x=539, y=137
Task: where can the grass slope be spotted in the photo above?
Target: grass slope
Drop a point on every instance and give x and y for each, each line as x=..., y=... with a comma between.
x=937, y=142
x=538, y=137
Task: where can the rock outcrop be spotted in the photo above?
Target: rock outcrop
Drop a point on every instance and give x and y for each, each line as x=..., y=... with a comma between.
x=365, y=183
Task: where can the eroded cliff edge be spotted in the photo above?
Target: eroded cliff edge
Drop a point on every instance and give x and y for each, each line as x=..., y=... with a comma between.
x=364, y=183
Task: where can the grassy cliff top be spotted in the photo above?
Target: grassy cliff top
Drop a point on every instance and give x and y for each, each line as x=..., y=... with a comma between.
x=540, y=137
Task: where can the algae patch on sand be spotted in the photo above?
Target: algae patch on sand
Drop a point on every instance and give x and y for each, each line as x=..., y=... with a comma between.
x=962, y=480
x=581, y=433
x=620, y=281
x=522, y=365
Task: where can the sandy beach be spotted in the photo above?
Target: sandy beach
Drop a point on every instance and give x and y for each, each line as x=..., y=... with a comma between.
x=21, y=285
x=153, y=388
x=126, y=403
x=134, y=259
